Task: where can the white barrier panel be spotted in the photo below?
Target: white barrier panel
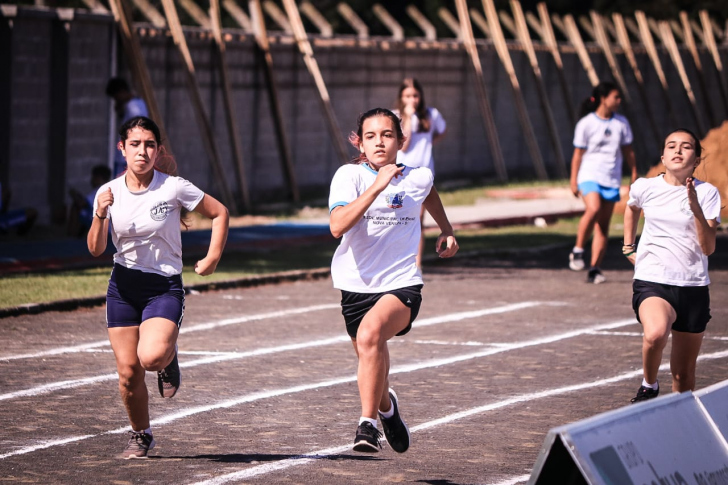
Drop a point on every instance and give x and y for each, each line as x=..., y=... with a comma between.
x=715, y=401
x=668, y=440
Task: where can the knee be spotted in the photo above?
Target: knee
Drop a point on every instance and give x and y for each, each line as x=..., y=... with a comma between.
x=683, y=378
x=369, y=339
x=152, y=360
x=655, y=339
x=129, y=376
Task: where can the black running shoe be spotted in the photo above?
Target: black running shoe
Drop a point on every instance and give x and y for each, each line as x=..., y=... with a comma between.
x=139, y=445
x=645, y=393
x=170, y=378
x=595, y=276
x=367, y=438
x=576, y=261
x=395, y=429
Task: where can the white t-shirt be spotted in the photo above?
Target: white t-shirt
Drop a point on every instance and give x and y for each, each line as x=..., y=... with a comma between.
x=603, y=141
x=669, y=251
x=145, y=225
x=379, y=253
x=419, y=152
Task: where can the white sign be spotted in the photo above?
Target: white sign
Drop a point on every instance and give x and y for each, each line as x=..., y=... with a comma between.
x=715, y=401
x=664, y=441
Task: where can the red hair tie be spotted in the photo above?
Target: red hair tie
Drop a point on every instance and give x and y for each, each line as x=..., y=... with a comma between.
x=591, y=99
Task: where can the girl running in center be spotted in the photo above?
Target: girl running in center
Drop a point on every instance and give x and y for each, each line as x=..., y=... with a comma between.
x=423, y=126
x=602, y=139
x=375, y=205
x=145, y=301
x=670, y=287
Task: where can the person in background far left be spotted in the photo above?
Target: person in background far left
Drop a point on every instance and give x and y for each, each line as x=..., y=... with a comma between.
x=127, y=105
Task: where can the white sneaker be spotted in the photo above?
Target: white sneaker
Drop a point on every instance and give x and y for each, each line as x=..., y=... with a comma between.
x=576, y=261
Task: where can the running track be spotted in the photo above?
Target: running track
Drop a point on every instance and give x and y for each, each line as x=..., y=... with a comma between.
x=503, y=350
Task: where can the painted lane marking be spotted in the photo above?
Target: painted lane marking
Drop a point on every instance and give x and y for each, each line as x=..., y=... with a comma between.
x=343, y=380
x=329, y=452
x=213, y=359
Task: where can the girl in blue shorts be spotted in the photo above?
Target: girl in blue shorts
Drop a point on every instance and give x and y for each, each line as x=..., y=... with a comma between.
x=375, y=208
x=145, y=301
x=602, y=139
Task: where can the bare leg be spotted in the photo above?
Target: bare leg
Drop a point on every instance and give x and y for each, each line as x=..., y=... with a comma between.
x=593, y=203
x=157, y=339
x=387, y=318
x=601, y=232
x=683, y=359
x=124, y=341
x=657, y=317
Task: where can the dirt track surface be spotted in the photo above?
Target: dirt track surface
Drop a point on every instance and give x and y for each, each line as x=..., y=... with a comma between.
x=269, y=376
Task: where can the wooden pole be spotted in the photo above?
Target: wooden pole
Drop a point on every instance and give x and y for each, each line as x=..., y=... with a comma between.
x=687, y=35
x=140, y=74
x=278, y=16
x=669, y=41
x=422, y=22
x=525, y=38
x=649, y=44
x=480, y=21
x=317, y=19
x=390, y=22
x=549, y=39
x=232, y=124
x=197, y=14
x=313, y=68
x=623, y=38
x=576, y=40
x=452, y=24
x=709, y=41
x=354, y=21
x=151, y=13
x=491, y=15
x=208, y=137
x=603, y=41
x=284, y=148
x=240, y=17
x=485, y=112
x=507, y=22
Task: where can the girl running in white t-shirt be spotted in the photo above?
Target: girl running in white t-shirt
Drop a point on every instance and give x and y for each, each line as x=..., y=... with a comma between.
x=145, y=301
x=422, y=126
x=670, y=287
x=602, y=139
x=375, y=205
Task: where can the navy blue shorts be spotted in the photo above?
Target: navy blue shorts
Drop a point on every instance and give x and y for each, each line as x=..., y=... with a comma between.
x=135, y=296
x=355, y=305
x=691, y=303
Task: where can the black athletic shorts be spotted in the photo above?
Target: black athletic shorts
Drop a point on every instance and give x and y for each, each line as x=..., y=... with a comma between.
x=691, y=303
x=355, y=305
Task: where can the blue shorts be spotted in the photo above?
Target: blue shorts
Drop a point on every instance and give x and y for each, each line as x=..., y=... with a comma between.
x=610, y=194
x=135, y=296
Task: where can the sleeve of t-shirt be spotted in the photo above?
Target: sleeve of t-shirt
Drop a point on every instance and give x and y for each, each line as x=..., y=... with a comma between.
x=188, y=195
x=627, y=136
x=343, y=187
x=711, y=204
x=438, y=122
x=636, y=191
x=580, y=138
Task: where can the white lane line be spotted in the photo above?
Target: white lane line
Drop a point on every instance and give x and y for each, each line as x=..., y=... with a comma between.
x=191, y=328
x=70, y=384
x=342, y=380
x=441, y=342
x=327, y=453
x=619, y=334
x=46, y=444
x=513, y=480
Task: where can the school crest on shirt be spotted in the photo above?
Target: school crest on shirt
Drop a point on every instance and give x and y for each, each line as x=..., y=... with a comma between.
x=159, y=211
x=685, y=207
x=394, y=201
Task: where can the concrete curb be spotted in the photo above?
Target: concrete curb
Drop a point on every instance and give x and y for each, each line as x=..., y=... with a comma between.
x=248, y=282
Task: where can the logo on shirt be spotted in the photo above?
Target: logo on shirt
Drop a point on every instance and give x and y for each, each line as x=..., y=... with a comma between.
x=685, y=207
x=394, y=201
x=159, y=211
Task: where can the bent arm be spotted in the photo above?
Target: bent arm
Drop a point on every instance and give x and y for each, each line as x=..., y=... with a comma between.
x=707, y=230
x=433, y=205
x=215, y=210
x=575, y=165
x=631, y=220
x=97, y=236
x=438, y=136
x=629, y=157
x=344, y=217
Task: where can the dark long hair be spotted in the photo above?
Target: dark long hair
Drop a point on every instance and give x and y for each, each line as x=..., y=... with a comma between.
x=698, y=146
x=164, y=163
x=355, y=137
x=600, y=92
x=421, y=109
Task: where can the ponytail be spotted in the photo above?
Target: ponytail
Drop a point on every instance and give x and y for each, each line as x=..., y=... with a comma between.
x=600, y=92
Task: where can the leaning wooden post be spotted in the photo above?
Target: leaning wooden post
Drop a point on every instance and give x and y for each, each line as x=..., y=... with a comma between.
x=525, y=39
x=486, y=113
x=491, y=15
x=600, y=36
x=208, y=137
x=135, y=59
x=649, y=43
x=549, y=39
x=709, y=41
x=623, y=38
x=232, y=124
x=313, y=68
x=687, y=34
x=669, y=41
x=578, y=43
x=284, y=148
